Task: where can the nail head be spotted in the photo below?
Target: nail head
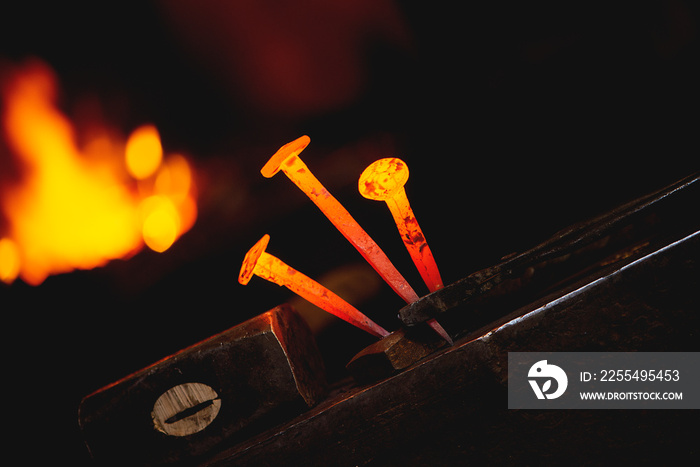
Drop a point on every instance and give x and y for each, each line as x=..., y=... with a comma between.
x=383, y=179
x=251, y=259
x=290, y=149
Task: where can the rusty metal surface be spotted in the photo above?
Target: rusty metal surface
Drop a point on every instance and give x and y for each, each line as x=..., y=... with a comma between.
x=596, y=245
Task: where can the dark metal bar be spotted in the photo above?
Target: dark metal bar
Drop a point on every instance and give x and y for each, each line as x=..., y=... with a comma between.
x=609, y=240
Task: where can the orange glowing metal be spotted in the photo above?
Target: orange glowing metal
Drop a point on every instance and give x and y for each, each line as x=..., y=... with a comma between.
x=384, y=180
x=287, y=159
x=257, y=261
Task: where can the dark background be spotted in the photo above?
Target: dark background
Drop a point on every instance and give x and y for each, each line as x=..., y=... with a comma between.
x=515, y=118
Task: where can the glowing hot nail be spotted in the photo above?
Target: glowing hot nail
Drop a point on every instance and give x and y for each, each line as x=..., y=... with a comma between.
x=257, y=261
x=384, y=180
x=287, y=160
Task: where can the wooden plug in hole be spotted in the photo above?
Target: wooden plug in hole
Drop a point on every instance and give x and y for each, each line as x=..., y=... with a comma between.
x=186, y=409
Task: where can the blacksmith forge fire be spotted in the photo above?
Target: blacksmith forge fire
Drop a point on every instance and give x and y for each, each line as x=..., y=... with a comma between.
x=78, y=207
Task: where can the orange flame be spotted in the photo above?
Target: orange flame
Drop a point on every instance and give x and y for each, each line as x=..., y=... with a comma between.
x=72, y=210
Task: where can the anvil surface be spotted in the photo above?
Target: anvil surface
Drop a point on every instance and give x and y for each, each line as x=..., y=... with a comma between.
x=452, y=405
